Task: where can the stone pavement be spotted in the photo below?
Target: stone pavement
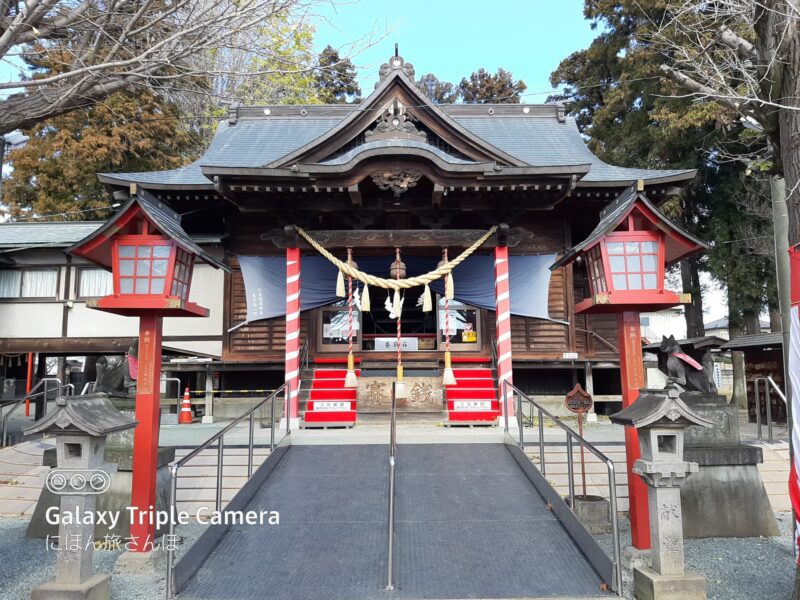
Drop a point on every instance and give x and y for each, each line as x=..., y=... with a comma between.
x=22, y=477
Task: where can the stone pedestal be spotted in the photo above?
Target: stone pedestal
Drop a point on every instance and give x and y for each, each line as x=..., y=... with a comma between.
x=594, y=514
x=726, y=497
x=97, y=587
x=650, y=585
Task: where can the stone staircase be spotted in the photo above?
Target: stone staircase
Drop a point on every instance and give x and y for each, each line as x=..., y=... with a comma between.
x=197, y=480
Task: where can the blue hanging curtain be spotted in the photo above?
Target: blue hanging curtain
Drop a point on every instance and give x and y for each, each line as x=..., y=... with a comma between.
x=265, y=282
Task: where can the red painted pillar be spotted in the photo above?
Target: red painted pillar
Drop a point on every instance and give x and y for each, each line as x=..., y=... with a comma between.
x=292, y=364
x=632, y=374
x=145, y=436
x=502, y=294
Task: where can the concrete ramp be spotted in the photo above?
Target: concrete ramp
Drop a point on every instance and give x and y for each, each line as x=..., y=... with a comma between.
x=470, y=524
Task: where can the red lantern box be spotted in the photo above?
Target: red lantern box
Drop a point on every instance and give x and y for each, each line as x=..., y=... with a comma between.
x=626, y=256
x=150, y=257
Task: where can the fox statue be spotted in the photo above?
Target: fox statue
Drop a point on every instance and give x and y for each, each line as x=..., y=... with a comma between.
x=682, y=369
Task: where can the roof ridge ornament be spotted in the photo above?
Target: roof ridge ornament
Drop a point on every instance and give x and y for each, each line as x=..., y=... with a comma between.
x=395, y=63
x=395, y=123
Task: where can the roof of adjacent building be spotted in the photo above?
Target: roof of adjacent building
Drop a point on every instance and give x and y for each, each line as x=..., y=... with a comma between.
x=60, y=234
x=53, y=233
x=706, y=341
x=524, y=136
x=760, y=340
x=724, y=323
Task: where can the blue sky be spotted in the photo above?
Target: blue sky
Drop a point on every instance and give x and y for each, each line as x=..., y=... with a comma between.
x=454, y=38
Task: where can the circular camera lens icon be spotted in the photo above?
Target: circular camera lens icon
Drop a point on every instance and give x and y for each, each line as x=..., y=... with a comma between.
x=98, y=482
x=77, y=482
x=57, y=482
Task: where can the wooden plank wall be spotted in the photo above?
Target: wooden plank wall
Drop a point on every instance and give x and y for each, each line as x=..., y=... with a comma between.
x=263, y=340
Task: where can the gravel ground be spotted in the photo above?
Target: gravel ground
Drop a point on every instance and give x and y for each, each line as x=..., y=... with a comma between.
x=735, y=568
x=26, y=563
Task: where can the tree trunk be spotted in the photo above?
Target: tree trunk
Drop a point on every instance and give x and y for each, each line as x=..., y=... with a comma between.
x=735, y=321
x=693, y=312
x=774, y=318
x=752, y=321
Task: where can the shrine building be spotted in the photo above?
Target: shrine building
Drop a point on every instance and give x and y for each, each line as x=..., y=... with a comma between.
x=399, y=186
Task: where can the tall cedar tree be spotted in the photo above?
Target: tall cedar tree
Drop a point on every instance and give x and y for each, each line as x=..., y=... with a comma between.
x=440, y=92
x=481, y=86
x=615, y=91
x=336, y=78
x=55, y=172
x=500, y=87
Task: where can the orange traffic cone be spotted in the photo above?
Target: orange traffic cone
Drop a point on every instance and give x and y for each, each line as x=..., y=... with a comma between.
x=186, y=409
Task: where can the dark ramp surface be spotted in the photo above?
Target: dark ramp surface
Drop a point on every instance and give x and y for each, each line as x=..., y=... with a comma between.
x=469, y=525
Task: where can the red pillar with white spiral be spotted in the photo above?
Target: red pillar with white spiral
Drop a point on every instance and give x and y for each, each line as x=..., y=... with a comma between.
x=292, y=362
x=503, y=326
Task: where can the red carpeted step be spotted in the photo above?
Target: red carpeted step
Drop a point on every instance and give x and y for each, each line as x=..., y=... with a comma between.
x=489, y=416
x=329, y=416
x=470, y=359
x=332, y=373
x=342, y=394
x=472, y=383
x=471, y=394
x=472, y=373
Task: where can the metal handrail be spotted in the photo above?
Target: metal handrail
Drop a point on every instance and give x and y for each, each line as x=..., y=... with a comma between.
x=392, y=453
x=29, y=396
x=571, y=435
x=768, y=382
x=304, y=355
x=88, y=388
x=219, y=438
x=71, y=387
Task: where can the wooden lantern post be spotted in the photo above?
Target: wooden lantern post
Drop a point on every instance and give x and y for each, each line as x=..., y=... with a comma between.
x=626, y=257
x=152, y=259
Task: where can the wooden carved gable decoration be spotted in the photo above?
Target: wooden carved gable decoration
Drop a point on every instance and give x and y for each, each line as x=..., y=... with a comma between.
x=397, y=120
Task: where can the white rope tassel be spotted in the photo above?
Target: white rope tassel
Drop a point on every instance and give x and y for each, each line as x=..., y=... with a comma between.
x=427, y=301
x=449, y=287
x=397, y=305
x=340, y=293
x=365, y=305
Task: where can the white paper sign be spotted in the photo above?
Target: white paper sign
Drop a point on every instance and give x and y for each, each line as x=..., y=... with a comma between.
x=472, y=405
x=390, y=343
x=331, y=406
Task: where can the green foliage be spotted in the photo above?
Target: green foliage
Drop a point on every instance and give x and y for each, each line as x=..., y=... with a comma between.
x=634, y=117
x=56, y=171
x=335, y=78
x=483, y=86
x=440, y=92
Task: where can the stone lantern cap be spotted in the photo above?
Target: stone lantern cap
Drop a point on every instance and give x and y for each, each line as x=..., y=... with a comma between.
x=659, y=407
x=92, y=414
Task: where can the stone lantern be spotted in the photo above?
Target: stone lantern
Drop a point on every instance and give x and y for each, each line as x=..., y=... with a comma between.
x=661, y=418
x=80, y=425
x=625, y=257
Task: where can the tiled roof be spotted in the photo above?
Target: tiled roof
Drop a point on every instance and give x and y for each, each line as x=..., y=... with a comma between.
x=60, y=234
x=57, y=234
x=761, y=340
x=550, y=142
x=539, y=139
x=249, y=143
